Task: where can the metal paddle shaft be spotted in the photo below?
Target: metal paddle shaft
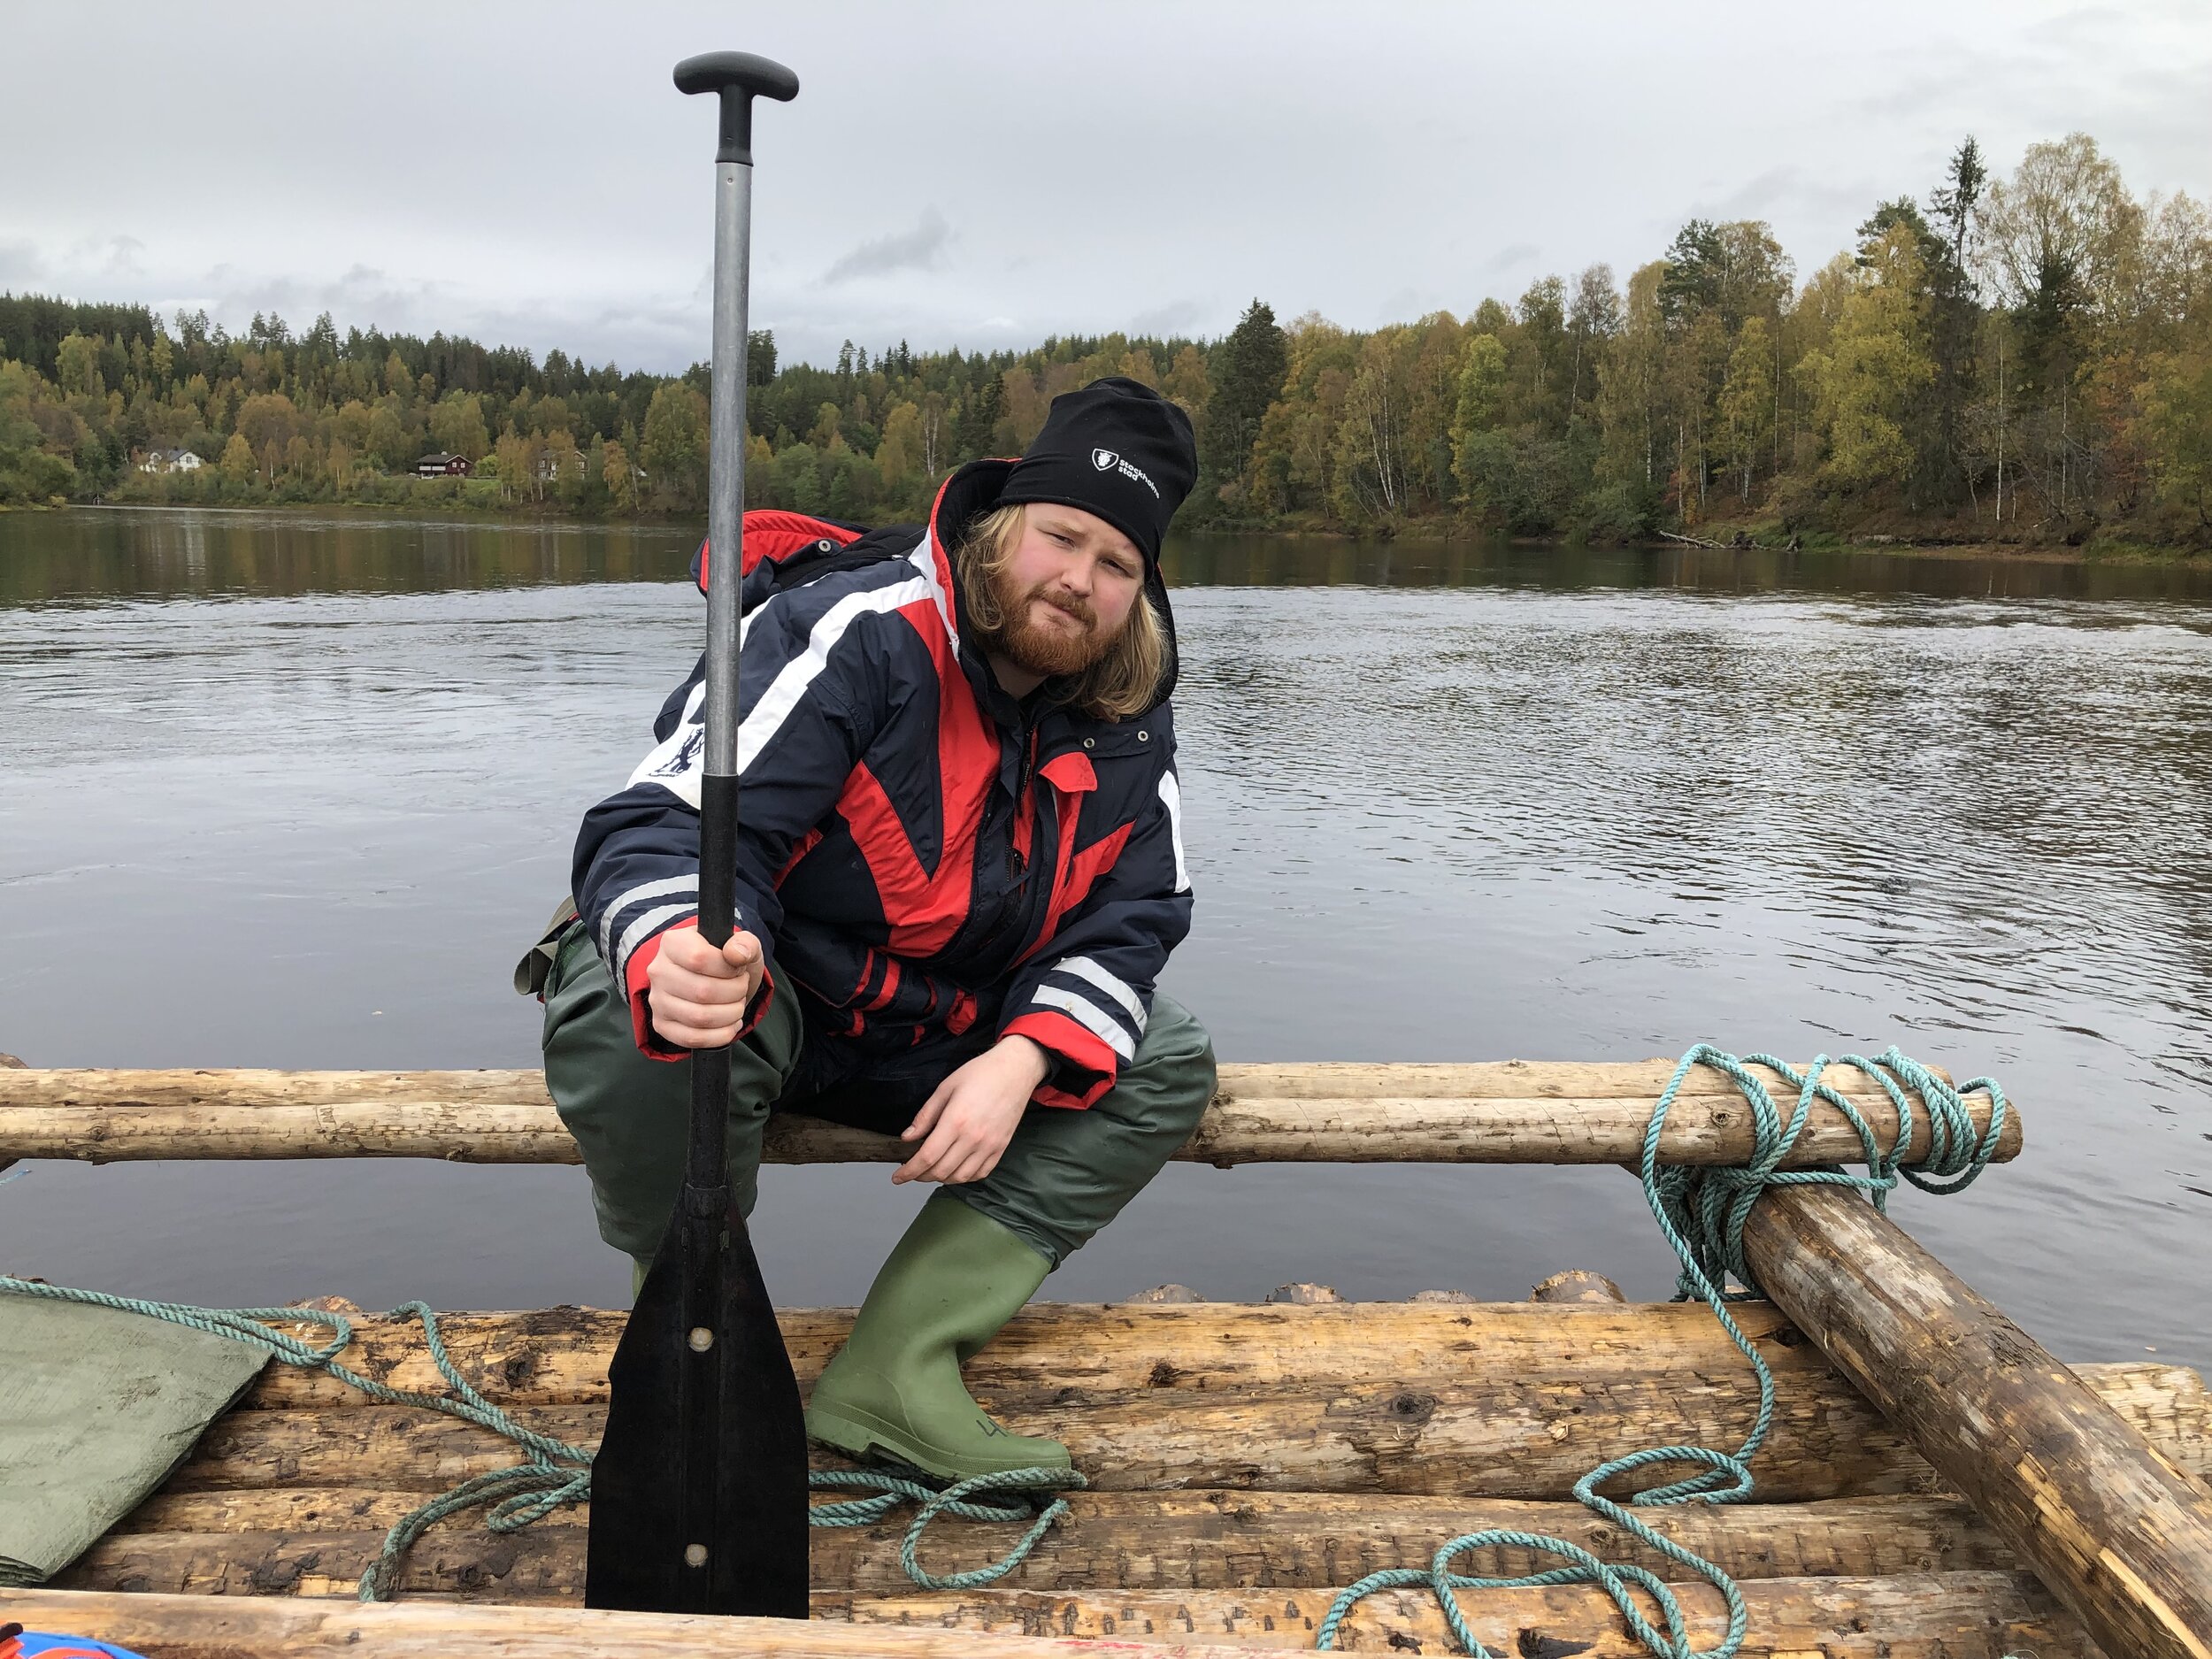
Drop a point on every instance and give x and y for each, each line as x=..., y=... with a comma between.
x=699, y=1489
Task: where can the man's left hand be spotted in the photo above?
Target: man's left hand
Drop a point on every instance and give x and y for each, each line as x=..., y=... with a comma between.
x=964, y=1125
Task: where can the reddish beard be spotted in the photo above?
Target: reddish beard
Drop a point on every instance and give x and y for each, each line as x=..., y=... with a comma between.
x=1043, y=648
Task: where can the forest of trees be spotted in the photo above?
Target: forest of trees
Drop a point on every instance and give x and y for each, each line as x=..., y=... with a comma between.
x=2022, y=358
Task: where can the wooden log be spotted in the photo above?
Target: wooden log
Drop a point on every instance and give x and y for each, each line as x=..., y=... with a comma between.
x=1549, y=1363
x=1921, y=1616
x=505, y=1118
x=1526, y=1436
x=2117, y=1531
x=314, y=1541
x=1072, y=1350
x=1482, y=1079
x=226, y=1627
x=101, y=1117
x=1933, y=1616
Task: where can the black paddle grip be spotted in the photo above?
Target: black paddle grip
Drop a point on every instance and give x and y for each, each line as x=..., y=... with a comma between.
x=717, y=858
x=740, y=77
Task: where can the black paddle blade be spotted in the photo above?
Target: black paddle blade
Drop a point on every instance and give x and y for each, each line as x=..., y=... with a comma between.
x=701, y=1511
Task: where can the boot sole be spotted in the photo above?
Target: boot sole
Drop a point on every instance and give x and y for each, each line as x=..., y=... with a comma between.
x=867, y=1438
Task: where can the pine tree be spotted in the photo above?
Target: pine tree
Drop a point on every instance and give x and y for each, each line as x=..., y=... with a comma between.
x=1247, y=370
x=978, y=414
x=1959, y=197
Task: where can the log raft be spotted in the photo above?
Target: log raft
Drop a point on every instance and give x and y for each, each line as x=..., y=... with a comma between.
x=1926, y=1489
x=1393, y=1425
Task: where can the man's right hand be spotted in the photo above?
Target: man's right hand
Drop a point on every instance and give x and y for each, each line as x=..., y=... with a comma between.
x=697, y=994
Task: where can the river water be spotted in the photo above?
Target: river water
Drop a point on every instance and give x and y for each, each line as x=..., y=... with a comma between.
x=288, y=790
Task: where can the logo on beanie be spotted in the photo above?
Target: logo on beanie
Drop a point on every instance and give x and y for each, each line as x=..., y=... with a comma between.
x=1107, y=461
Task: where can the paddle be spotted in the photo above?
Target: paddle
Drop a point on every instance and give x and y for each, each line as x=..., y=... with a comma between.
x=699, y=1490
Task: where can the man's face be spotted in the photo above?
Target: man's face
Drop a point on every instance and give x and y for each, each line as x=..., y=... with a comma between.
x=1067, y=591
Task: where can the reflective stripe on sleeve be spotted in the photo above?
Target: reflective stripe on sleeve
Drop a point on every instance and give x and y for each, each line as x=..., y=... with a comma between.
x=638, y=895
x=1092, y=1018
x=1084, y=968
x=639, y=932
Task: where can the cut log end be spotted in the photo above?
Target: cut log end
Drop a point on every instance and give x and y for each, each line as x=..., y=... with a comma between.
x=1577, y=1284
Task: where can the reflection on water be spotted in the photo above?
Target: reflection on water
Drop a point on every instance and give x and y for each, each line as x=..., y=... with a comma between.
x=1288, y=561
x=1490, y=800
x=148, y=552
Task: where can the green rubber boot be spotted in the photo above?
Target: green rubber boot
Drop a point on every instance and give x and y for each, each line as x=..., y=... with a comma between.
x=893, y=1391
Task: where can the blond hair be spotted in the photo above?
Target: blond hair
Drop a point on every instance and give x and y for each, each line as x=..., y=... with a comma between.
x=1126, y=682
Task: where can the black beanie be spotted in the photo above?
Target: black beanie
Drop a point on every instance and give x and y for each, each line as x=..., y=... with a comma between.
x=1117, y=448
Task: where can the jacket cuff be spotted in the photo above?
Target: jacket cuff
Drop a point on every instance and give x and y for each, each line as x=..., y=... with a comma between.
x=642, y=1033
x=1083, y=1067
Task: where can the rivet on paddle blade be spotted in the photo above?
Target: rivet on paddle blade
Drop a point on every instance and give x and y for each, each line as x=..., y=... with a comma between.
x=694, y=1554
x=701, y=1339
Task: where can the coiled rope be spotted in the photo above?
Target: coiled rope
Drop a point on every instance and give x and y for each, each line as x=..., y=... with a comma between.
x=1702, y=1212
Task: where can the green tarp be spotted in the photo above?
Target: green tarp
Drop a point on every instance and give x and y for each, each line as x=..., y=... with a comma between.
x=96, y=1407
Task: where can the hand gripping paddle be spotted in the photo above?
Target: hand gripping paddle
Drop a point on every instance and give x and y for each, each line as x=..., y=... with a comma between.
x=699, y=1489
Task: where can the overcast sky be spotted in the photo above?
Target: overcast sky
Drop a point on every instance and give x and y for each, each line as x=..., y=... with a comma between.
x=986, y=174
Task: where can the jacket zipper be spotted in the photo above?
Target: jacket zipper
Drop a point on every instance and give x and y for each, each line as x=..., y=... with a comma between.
x=1023, y=777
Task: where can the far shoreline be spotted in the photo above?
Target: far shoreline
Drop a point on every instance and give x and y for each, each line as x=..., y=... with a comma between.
x=1419, y=533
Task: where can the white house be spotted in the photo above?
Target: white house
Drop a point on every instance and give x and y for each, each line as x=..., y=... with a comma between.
x=171, y=461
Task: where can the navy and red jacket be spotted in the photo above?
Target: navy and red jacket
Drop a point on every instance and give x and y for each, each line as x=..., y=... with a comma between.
x=928, y=862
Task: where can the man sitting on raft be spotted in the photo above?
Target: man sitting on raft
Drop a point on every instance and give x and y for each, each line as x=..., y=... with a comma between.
x=960, y=872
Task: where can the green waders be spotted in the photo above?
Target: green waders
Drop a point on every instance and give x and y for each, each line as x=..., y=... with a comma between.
x=967, y=1264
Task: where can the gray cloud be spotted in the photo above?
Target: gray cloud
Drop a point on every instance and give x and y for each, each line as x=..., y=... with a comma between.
x=20, y=266
x=112, y=258
x=1519, y=253
x=1792, y=192
x=1177, y=317
x=920, y=249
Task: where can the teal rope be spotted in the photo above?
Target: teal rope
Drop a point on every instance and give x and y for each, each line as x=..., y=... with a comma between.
x=1702, y=1212
x=555, y=1472
x=892, y=1490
